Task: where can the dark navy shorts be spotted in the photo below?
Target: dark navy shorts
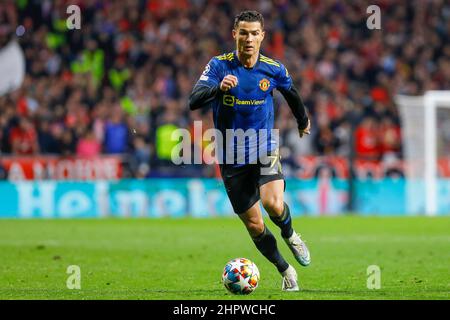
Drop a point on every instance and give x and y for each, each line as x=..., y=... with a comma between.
x=242, y=183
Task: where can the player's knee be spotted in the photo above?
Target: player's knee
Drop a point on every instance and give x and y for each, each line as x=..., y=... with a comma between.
x=274, y=205
x=255, y=227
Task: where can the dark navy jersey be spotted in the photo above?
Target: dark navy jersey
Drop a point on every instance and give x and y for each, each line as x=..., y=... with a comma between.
x=248, y=106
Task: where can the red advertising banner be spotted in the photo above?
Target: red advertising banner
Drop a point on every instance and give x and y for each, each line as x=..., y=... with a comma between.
x=57, y=168
x=110, y=168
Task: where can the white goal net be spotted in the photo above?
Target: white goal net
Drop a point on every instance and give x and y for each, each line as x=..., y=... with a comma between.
x=426, y=148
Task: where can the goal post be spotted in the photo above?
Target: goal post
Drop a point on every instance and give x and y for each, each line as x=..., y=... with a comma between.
x=419, y=116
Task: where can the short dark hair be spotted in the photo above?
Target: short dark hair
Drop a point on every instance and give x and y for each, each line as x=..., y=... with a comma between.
x=249, y=16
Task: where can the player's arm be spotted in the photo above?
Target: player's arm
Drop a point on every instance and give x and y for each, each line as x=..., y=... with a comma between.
x=209, y=86
x=295, y=102
x=202, y=96
x=298, y=109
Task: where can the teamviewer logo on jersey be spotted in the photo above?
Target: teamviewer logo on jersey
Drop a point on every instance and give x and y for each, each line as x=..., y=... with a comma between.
x=228, y=100
x=264, y=84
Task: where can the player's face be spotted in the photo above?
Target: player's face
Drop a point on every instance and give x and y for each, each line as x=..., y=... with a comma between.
x=248, y=37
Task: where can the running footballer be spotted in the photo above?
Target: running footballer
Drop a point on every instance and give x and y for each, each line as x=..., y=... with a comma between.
x=239, y=87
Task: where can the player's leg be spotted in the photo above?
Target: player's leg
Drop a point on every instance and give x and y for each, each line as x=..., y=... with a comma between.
x=267, y=245
x=272, y=198
x=271, y=190
x=242, y=188
x=262, y=237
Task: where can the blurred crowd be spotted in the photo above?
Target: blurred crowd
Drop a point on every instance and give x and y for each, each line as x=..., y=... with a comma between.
x=120, y=84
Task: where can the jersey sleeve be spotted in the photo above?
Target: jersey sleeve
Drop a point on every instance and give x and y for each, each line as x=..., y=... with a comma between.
x=211, y=74
x=284, y=80
x=207, y=87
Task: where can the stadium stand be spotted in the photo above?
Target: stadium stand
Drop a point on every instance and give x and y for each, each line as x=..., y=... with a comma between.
x=120, y=84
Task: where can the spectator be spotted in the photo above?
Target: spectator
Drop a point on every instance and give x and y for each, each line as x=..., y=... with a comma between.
x=67, y=143
x=88, y=145
x=116, y=133
x=390, y=138
x=23, y=138
x=164, y=142
x=366, y=140
x=141, y=156
x=325, y=141
x=47, y=142
x=148, y=54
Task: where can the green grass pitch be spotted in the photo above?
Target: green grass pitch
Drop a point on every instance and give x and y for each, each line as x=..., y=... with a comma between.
x=184, y=258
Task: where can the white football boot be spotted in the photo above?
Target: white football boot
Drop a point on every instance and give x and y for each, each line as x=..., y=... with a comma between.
x=299, y=249
x=290, y=282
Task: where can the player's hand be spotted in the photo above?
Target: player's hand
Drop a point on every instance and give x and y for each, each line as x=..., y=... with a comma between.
x=228, y=82
x=306, y=130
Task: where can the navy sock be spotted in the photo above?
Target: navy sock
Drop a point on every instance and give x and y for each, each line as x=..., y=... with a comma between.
x=284, y=222
x=267, y=245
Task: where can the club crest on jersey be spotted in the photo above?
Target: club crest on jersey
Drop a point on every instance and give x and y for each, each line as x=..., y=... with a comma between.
x=264, y=84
